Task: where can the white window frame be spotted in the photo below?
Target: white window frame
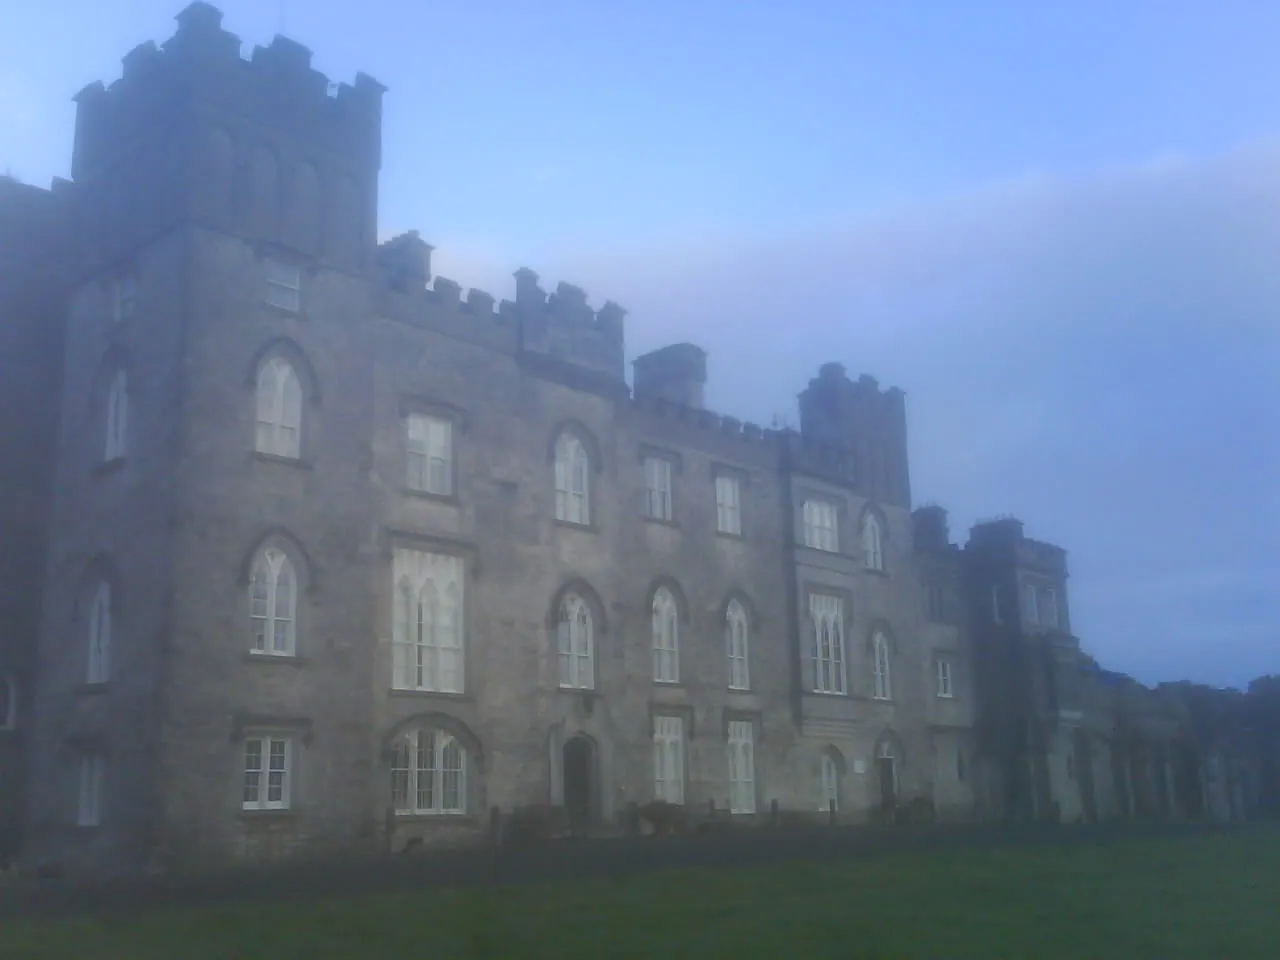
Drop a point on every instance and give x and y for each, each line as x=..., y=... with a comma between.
x=273, y=611
x=573, y=480
x=100, y=624
x=668, y=759
x=1031, y=613
x=737, y=635
x=117, y=417
x=666, y=637
x=872, y=543
x=431, y=763
x=883, y=670
x=657, y=489
x=575, y=643
x=728, y=505
x=821, y=525
x=429, y=636
x=826, y=615
x=829, y=782
x=284, y=286
x=9, y=716
x=267, y=763
x=742, y=767
x=124, y=297
x=1049, y=615
x=945, y=686
x=429, y=444
x=91, y=774
x=279, y=409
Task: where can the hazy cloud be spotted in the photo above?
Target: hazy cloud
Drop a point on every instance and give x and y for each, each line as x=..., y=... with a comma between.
x=1098, y=354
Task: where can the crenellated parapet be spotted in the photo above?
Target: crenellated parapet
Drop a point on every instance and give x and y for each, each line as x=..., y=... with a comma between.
x=867, y=421
x=264, y=147
x=202, y=64
x=563, y=328
x=703, y=428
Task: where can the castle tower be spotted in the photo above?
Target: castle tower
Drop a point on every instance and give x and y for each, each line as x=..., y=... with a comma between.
x=222, y=207
x=262, y=148
x=868, y=422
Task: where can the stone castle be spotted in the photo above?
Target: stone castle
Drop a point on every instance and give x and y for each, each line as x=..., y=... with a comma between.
x=305, y=549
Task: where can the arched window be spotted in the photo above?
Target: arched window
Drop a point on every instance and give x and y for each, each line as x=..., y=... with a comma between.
x=428, y=774
x=427, y=641
x=666, y=638
x=99, y=638
x=872, y=555
x=8, y=702
x=827, y=614
x=273, y=598
x=573, y=480
x=736, y=635
x=117, y=417
x=576, y=644
x=883, y=681
x=279, y=409
x=830, y=782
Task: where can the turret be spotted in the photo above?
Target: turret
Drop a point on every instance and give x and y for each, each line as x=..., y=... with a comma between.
x=868, y=422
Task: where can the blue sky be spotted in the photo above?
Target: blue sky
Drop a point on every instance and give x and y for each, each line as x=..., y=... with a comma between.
x=1056, y=226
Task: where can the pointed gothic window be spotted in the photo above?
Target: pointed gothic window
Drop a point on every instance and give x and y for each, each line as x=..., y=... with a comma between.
x=279, y=409
x=573, y=475
x=273, y=597
x=117, y=417
x=883, y=683
x=872, y=554
x=575, y=644
x=736, y=640
x=666, y=638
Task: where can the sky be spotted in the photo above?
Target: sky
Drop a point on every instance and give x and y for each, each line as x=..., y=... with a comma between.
x=1055, y=226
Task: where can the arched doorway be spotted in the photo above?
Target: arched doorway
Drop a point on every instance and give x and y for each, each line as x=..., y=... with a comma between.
x=1082, y=751
x=887, y=773
x=579, y=769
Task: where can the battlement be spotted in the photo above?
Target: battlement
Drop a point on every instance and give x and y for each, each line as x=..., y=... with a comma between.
x=1003, y=536
x=201, y=63
x=563, y=327
x=833, y=378
x=930, y=532
x=702, y=419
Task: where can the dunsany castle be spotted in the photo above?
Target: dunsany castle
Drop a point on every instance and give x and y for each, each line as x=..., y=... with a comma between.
x=303, y=548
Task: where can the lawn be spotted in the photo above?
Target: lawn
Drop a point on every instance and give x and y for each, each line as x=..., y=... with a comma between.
x=1215, y=897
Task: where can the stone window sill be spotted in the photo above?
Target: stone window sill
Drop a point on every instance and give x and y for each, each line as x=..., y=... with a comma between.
x=574, y=525
x=661, y=521
x=285, y=461
x=449, y=498
x=438, y=694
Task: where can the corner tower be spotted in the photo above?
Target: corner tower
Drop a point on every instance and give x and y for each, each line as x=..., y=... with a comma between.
x=265, y=148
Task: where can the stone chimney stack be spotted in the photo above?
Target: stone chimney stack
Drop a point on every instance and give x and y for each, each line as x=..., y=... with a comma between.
x=677, y=373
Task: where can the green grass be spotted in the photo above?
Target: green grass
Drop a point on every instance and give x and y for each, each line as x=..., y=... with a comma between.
x=1210, y=897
